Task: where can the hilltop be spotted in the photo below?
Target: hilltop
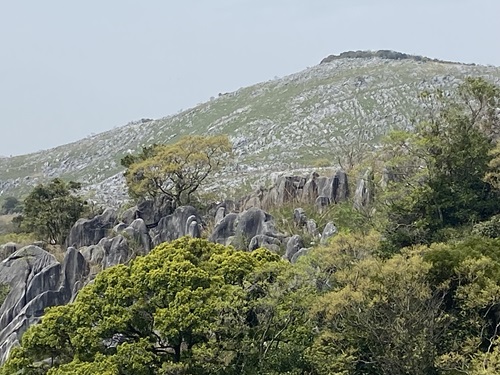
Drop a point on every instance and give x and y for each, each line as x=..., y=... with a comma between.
x=323, y=115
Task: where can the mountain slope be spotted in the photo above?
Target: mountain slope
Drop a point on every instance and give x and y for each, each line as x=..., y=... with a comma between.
x=284, y=124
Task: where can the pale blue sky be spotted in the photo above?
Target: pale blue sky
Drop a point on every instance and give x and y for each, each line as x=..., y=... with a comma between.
x=72, y=68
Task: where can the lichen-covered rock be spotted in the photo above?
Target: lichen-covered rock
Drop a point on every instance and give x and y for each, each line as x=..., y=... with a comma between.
x=225, y=231
x=262, y=240
x=153, y=210
x=321, y=203
x=298, y=254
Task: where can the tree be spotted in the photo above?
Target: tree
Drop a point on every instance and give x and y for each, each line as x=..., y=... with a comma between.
x=375, y=316
x=188, y=307
x=11, y=205
x=177, y=170
x=50, y=210
x=439, y=169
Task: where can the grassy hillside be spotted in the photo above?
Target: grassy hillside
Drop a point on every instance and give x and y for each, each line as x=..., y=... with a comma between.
x=281, y=125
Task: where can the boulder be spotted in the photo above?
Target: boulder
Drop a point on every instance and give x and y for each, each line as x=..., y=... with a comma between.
x=262, y=240
x=86, y=232
x=329, y=231
x=225, y=231
x=299, y=217
x=298, y=254
x=321, y=203
x=294, y=244
x=312, y=228
x=219, y=215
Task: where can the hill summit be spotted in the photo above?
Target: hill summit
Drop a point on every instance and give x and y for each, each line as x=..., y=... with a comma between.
x=324, y=115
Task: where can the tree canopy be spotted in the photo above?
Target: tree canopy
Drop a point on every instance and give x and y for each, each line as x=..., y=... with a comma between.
x=176, y=170
x=50, y=210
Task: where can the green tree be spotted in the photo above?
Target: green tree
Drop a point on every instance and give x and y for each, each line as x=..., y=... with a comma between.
x=177, y=170
x=50, y=210
x=375, y=316
x=11, y=205
x=188, y=307
x=440, y=168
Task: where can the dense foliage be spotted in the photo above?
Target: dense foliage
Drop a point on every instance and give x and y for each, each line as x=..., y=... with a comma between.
x=51, y=209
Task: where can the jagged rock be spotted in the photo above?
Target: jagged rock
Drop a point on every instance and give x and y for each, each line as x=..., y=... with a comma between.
x=116, y=251
x=129, y=215
x=321, y=203
x=363, y=196
x=310, y=190
x=262, y=240
x=93, y=254
x=312, y=228
x=138, y=231
x=329, y=231
x=153, y=210
x=219, y=215
x=225, y=231
x=37, y=281
x=241, y=229
x=177, y=225
x=294, y=244
x=120, y=227
x=298, y=254
x=340, y=187
x=86, y=232
x=7, y=249
x=299, y=217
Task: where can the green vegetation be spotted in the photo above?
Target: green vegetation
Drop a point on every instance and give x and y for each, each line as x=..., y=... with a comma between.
x=410, y=285
x=176, y=170
x=50, y=210
x=10, y=205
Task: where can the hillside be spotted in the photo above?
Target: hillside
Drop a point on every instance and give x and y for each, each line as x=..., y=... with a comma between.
x=342, y=105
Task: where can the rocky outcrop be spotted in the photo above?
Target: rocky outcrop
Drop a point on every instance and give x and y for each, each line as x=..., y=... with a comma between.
x=183, y=221
x=293, y=246
x=365, y=190
x=329, y=231
x=248, y=230
x=36, y=281
x=7, y=249
x=86, y=232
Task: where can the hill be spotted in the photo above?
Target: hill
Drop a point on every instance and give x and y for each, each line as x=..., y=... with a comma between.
x=330, y=112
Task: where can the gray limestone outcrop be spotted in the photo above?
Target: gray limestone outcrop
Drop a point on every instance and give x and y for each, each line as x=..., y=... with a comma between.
x=36, y=281
x=184, y=221
x=293, y=246
x=86, y=232
x=248, y=230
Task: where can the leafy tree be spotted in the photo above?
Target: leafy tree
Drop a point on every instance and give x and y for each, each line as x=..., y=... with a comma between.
x=439, y=169
x=177, y=170
x=188, y=307
x=50, y=210
x=11, y=205
x=376, y=316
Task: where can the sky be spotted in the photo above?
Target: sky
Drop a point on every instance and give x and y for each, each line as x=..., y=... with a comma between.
x=69, y=69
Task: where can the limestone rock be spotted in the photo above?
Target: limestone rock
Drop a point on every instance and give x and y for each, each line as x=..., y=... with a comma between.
x=329, y=231
x=294, y=244
x=178, y=224
x=86, y=232
x=36, y=281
